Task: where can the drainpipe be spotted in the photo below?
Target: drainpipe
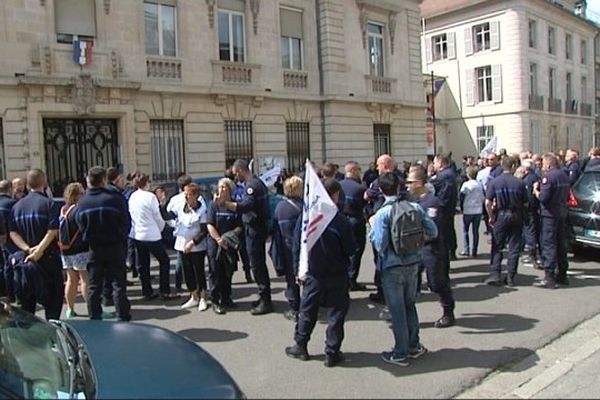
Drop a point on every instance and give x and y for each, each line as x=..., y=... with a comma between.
x=321, y=82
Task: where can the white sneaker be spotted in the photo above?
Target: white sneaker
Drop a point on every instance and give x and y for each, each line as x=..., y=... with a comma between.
x=191, y=303
x=202, y=305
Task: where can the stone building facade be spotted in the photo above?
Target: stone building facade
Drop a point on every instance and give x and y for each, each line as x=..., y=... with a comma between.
x=165, y=86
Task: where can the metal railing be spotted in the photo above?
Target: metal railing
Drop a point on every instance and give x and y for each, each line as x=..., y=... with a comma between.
x=536, y=102
x=554, y=105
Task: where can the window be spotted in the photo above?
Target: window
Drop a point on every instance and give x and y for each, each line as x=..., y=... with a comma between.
x=166, y=145
x=484, y=83
x=291, y=38
x=552, y=83
x=568, y=46
x=481, y=36
x=533, y=85
x=553, y=137
x=298, y=144
x=375, y=49
x=551, y=41
x=238, y=141
x=583, y=51
x=160, y=29
x=532, y=33
x=484, y=135
x=597, y=77
x=440, y=47
x=534, y=136
x=569, y=86
x=584, y=98
x=381, y=139
x=231, y=36
x=74, y=18
x=2, y=159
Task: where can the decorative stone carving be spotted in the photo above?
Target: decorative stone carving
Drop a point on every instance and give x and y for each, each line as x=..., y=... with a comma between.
x=257, y=101
x=364, y=20
x=106, y=7
x=220, y=99
x=83, y=94
x=211, y=12
x=114, y=64
x=255, y=8
x=392, y=25
x=35, y=56
x=47, y=51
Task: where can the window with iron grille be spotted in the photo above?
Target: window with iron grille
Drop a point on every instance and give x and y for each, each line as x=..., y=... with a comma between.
x=238, y=141
x=166, y=146
x=484, y=135
x=298, y=145
x=381, y=139
x=2, y=160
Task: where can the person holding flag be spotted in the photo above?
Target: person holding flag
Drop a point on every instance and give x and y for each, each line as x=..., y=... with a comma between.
x=323, y=246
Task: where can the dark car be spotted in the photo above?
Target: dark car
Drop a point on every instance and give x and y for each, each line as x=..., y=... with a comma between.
x=584, y=210
x=100, y=359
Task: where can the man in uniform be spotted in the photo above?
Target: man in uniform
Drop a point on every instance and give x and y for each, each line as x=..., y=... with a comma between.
x=495, y=167
x=553, y=194
x=505, y=201
x=6, y=273
x=444, y=183
x=572, y=167
x=33, y=227
x=353, y=209
x=531, y=229
x=254, y=208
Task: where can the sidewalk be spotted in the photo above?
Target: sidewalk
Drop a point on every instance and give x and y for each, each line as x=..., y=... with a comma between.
x=565, y=368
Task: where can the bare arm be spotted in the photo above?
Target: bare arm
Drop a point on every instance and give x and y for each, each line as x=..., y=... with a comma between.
x=18, y=241
x=36, y=252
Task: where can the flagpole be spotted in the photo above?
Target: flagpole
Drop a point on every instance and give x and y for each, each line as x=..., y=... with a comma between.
x=433, y=112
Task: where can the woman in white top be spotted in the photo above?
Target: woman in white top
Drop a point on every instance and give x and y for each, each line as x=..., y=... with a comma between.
x=190, y=241
x=146, y=227
x=472, y=198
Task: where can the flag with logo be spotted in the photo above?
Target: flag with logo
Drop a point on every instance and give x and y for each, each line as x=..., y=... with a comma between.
x=82, y=51
x=489, y=148
x=269, y=177
x=319, y=210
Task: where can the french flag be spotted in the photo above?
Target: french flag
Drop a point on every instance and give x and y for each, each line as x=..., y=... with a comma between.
x=82, y=51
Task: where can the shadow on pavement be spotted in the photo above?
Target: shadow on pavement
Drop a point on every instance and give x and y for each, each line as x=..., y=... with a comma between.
x=212, y=335
x=486, y=323
x=141, y=314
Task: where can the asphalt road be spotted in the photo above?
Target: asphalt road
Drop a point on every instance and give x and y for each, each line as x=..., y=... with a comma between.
x=495, y=327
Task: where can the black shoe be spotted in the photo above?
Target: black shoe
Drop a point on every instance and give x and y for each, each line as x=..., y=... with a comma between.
x=453, y=256
x=509, y=281
x=218, y=308
x=357, y=287
x=474, y=255
x=377, y=298
x=255, y=303
x=151, y=297
x=297, y=351
x=129, y=283
x=248, y=277
x=444, y=322
x=547, y=283
x=331, y=360
x=263, y=307
x=134, y=273
x=229, y=304
x=108, y=302
x=562, y=280
x=493, y=280
x=169, y=296
x=291, y=315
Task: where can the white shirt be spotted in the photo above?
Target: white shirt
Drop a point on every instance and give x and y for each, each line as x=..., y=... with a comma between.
x=146, y=221
x=483, y=177
x=187, y=225
x=474, y=197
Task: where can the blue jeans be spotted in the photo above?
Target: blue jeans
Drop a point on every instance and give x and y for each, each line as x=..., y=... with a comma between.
x=468, y=220
x=400, y=289
x=157, y=249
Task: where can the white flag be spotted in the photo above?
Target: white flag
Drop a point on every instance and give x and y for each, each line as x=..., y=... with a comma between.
x=269, y=177
x=317, y=213
x=491, y=147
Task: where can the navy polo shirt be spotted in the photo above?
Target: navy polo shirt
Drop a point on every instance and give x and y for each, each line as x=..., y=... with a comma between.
x=354, y=202
x=254, y=204
x=508, y=191
x=530, y=180
x=573, y=171
x=286, y=215
x=554, y=193
x=223, y=220
x=433, y=207
x=594, y=162
x=6, y=205
x=496, y=171
x=33, y=216
x=445, y=189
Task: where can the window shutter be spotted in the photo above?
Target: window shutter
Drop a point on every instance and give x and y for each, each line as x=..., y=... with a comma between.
x=468, y=41
x=75, y=17
x=233, y=5
x=497, y=83
x=290, y=23
x=469, y=87
x=494, y=35
x=451, y=37
x=428, y=50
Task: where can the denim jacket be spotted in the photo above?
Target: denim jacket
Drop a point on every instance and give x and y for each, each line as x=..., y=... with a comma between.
x=380, y=236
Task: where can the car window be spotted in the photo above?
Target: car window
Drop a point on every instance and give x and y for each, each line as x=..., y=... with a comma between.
x=588, y=184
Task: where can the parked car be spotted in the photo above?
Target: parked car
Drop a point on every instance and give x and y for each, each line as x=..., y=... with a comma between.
x=584, y=210
x=101, y=359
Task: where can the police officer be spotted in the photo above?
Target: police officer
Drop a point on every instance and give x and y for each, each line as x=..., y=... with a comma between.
x=553, y=194
x=434, y=254
x=326, y=283
x=237, y=195
x=444, y=183
x=104, y=222
x=254, y=209
x=6, y=204
x=495, y=167
x=33, y=229
x=531, y=229
x=505, y=201
x=353, y=209
x=572, y=167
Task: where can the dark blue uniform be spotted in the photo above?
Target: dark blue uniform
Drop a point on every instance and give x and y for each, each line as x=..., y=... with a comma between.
x=445, y=190
x=354, y=204
x=32, y=217
x=496, y=171
x=554, y=192
x=531, y=229
x=594, y=162
x=237, y=196
x=254, y=207
x=104, y=222
x=573, y=171
x=435, y=253
x=510, y=196
x=286, y=215
x=6, y=271
x=326, y=282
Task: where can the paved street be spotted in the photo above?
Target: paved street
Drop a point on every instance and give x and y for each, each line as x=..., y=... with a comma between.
x=495, y=327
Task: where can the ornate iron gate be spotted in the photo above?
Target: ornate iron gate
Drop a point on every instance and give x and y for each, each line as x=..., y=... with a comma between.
x=74, y=145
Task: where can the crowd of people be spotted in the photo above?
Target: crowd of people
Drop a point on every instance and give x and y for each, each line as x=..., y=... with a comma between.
x=109, y=227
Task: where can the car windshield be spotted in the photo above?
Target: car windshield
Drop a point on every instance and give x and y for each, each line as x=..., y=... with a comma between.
x=32, y=357
x=588, y=187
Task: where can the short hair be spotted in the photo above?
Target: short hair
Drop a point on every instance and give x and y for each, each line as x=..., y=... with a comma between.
x=112, y=174
x=508, y=163
x=71, y=192
x=595, y=151
x=36, y=179
x=350, y=165
x=96, y=175
x=472, y=172
x=5, y=186
x=328, y=170
x=241, y=165
x=332, y=186
x=527, y=163
x=388, y=183
x=551, y=159
x=444, y=159
x=131, y=176
x=183, y=181
x=416, y=173
x=141, y=180
x=293, y=187
x=193, y=188
x=228, y=182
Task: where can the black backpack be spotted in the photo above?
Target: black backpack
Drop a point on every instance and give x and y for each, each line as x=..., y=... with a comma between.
x=406, y=229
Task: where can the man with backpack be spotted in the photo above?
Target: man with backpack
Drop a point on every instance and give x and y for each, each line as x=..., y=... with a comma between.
x=399, y=230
